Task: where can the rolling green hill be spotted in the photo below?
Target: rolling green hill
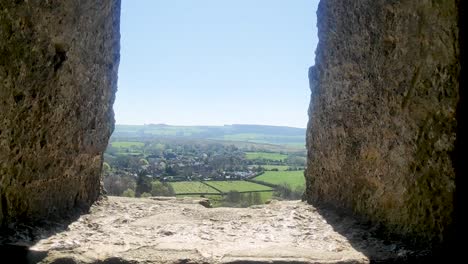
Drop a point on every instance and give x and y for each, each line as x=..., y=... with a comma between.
x=277, y=135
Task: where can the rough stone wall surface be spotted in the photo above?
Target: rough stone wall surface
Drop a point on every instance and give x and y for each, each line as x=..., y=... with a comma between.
x=382, y=115
x=58, y=76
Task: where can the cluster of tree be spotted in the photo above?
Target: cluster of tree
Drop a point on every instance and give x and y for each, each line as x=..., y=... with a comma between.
x=168, y=158
x=237, y=199
x=126, y=184
x=157, y=189
x=286, y=192
x=116, y=183
x=296, y=160
x=146, y=186
x=266, y=162
x=261, y=169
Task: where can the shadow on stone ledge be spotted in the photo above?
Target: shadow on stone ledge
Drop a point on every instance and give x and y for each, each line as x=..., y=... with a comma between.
x=393, y=250
x=16, y=239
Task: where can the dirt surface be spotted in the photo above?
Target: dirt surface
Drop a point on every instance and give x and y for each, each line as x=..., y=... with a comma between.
x=140, y=230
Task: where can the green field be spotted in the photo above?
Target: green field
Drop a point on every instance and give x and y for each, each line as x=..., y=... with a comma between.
x=192, y=187
x=265, y=138
x=266, y=196
x=293, y=178
x=265, y=155
x=240, y=186
x=127, y=144
x=131, y=153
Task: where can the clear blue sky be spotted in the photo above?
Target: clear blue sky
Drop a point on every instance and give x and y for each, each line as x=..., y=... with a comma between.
x=215, y=62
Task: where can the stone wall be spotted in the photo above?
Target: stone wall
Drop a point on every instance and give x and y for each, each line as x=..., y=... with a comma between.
x=383, y=113
x=58, y=76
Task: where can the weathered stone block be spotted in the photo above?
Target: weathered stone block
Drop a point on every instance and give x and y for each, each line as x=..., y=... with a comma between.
x=383, y=112
x=58, y=76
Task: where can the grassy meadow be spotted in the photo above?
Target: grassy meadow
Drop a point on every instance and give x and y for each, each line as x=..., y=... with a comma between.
x=266, y=156
x=127, y=144
x=292, y=178
x=240, y=186
x=192, y=187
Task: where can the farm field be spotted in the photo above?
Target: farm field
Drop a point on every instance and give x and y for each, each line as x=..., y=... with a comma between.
x=240, y=186
x=293, y=178
x=127, y=144
x=265, y=155
x=192, y=187
x=265, y=138
x=132, y=153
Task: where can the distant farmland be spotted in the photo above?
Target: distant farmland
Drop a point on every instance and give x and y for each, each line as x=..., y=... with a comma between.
x=266, y=156
x=240, y=186
x=292, y=178
x=189, y=187
x=217, y=187
x=215, y=190
x=276, y=135
x=127, y=144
